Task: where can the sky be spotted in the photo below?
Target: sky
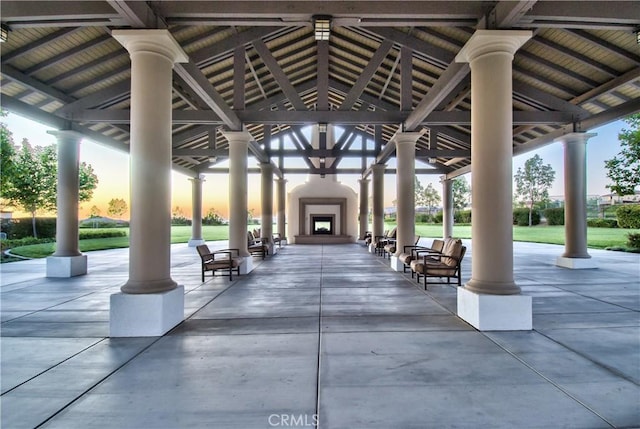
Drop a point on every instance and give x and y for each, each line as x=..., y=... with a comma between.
x=112, y=168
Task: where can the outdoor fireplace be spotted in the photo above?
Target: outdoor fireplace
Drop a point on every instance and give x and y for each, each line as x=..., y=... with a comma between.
x=322, y=224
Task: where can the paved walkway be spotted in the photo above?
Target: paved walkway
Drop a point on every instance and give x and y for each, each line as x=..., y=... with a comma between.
x=328, y=334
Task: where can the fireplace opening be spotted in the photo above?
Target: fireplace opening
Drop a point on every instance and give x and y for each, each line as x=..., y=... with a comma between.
x=322, y=225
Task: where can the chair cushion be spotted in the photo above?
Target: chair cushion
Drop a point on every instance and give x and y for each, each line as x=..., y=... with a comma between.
x=451, y=248
x=221, y=263
x=406, y=258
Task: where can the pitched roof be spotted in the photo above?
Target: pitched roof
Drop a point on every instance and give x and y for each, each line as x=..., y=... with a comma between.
x=387, y=65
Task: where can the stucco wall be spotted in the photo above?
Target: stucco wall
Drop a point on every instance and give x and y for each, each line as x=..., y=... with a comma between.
x=317, y=187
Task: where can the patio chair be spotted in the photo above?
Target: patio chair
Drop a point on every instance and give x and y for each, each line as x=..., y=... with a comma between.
x=381, y=241
x=225, y=259
x=256, y=246
x=411, y=253
x=390, y=247
x=444, y=265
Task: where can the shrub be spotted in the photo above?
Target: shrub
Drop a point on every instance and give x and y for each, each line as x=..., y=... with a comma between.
x=602, y=223
x=438, y=217
x=17, y=228
x=423, y=218
x=84, y=235
x=521, y=217
x=633, y=240
x=554, y=216
x=629, y=216
x=462, y=216
x=180, y=221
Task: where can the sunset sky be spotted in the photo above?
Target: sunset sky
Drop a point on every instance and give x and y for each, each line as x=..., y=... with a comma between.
x=112, y=168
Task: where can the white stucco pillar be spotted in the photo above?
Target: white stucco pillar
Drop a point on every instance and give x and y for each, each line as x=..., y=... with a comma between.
x=447, y=208
x=67, y=261
x=364, y=207
x=238, y=153
x=196, y=216
x=282, y=200
x=491, y=300
x=405, y=195
x=575, y=255
x=266, y=170
x=151, y=303
x=378, y=201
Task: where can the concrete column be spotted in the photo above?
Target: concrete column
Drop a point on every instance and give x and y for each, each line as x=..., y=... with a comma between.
x=196, y=217
x=447, y=208
x=238, y=153
x=378, y=200
x=67, y=261
x=405, y=195
x=364, y=207
x=266, y=193
x=282, y=200
x=491, y=300
x=575, y=255
x=151, y=303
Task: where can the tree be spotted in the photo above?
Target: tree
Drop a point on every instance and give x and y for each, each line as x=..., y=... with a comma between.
x=7, y=154
x=431, y=198
x=624, y=168
x=461, y=192
x=418, y=191
x=33, y=180
x=117, y=207
x=533, y=182
x=94, y=211
x=29, y=180
x=212, y=218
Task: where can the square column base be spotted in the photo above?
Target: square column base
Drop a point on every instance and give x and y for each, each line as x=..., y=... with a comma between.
x=396, y=264
x=66, y=266
x=495, y=312
x=247, y=265
x=576, y=263
x=145, y=315
x=372, y=248
x=195, y=242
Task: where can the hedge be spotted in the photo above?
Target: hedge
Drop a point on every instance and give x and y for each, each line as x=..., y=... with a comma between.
x=554, y=216
x=602, y=223
x=462, y=216
x=521, y=217
x=629, y=216
x=17, y=228
x=88, y=234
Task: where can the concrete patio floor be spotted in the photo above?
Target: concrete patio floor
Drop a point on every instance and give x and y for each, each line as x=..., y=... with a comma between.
x=326, y=334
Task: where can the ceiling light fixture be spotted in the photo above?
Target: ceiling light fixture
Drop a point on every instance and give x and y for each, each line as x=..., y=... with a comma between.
x=322, y=27
x=4, y=33
x=322, y=128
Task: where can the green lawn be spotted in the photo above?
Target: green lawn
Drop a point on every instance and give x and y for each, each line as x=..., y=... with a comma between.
x=598, y=238
x=179, y=234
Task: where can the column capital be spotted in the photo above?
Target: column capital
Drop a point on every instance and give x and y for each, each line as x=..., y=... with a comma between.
x=199, y=179
x=157, y=41
x=363, y=180
x=238, y=136
x=266, y=166
x=576, y=137
x=66, y=135
x=281, y=180
x=379, y=167
x=492, y=41
x=406, y=137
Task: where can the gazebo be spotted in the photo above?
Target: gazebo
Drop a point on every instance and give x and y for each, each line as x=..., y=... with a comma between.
x=445, y=87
